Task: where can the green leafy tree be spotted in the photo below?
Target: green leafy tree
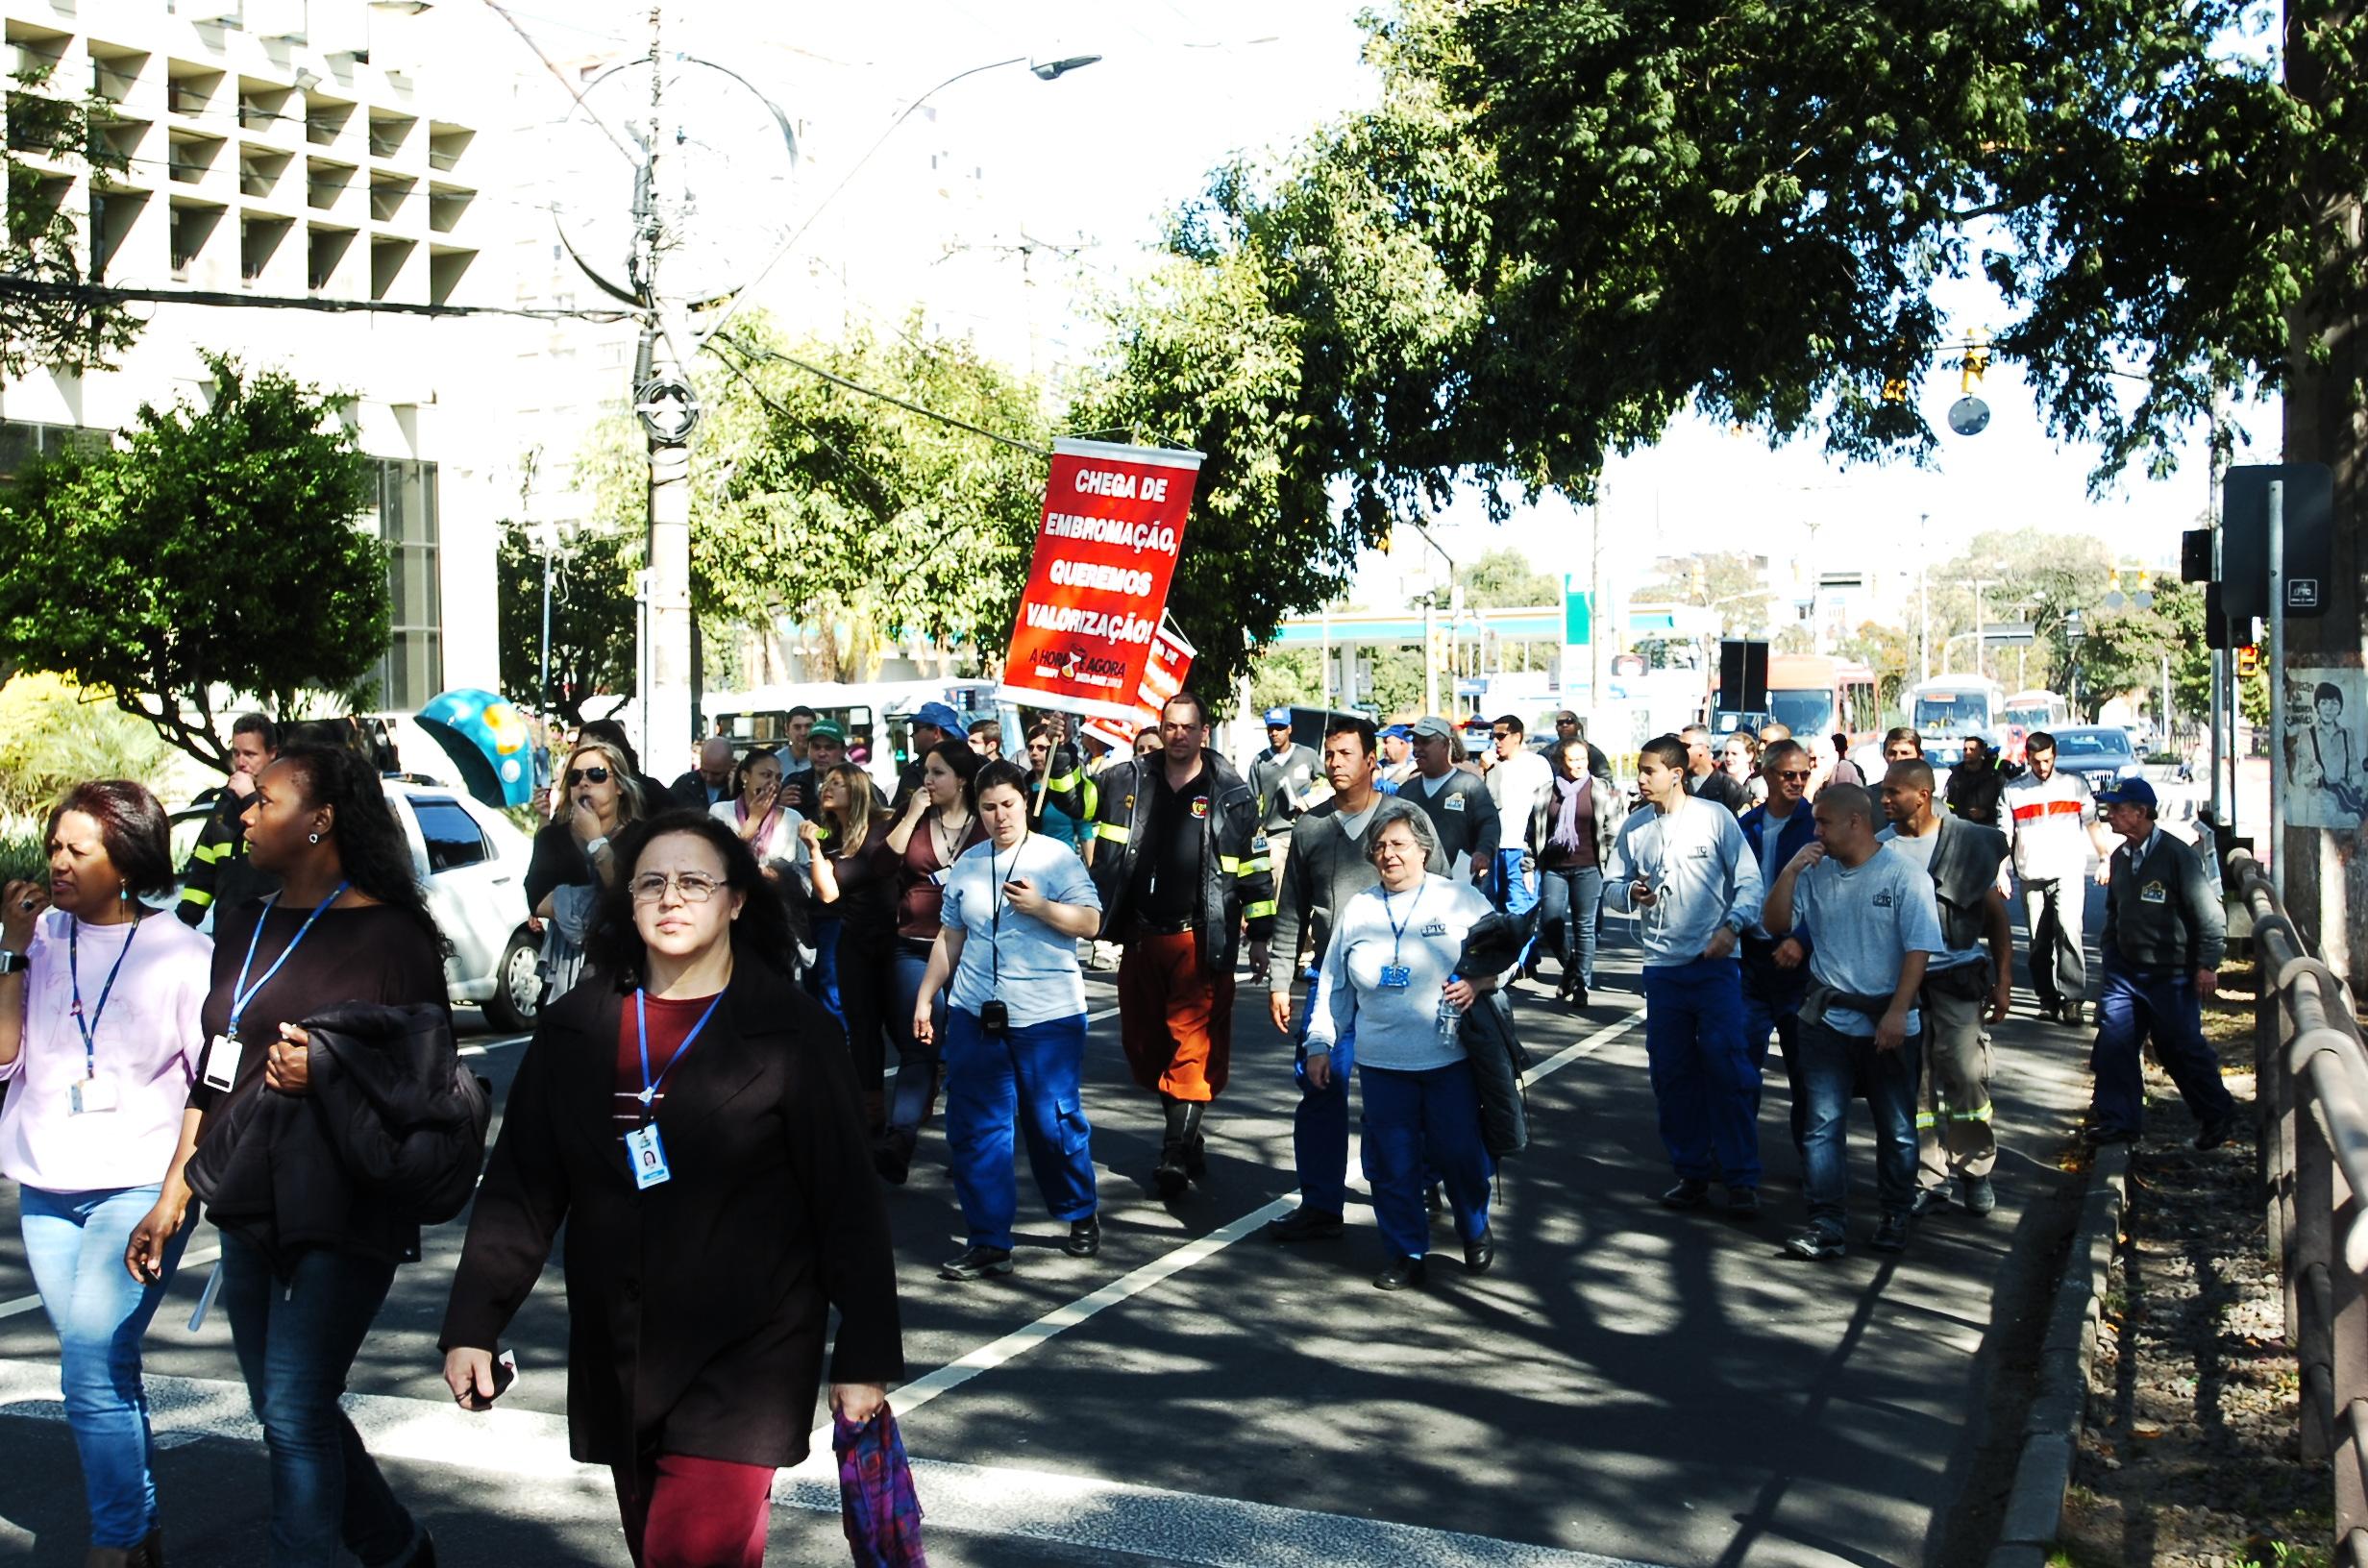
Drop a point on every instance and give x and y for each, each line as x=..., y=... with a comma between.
x=1503, y=579
x=52, y=737
x=1890, y=654
x=214, y=547
x=50, y=315
x=592, y=620
x=865, y=520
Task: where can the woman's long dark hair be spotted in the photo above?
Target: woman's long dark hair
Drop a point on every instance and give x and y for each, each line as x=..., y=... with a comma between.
x=761, y=934
x=964, y=763
x=371, y=848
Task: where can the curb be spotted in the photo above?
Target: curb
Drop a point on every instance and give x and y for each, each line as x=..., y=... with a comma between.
x=2052, y=1432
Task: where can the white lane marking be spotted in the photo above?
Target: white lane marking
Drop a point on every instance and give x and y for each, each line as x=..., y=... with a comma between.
x=1586, y=1047
x=1081, y=1510
x=25, y=1304
x=480, y=1047
x=1105, y=1013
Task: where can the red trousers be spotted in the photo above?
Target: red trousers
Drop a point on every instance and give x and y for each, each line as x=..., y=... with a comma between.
x=684, y=1513
x=1175, y=1022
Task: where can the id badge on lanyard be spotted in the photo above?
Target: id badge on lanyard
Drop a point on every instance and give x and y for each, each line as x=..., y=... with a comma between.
x=646, y=1150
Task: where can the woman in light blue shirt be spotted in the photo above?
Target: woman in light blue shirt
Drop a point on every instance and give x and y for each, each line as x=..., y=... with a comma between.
x=1389, y=982
x=1015, y=908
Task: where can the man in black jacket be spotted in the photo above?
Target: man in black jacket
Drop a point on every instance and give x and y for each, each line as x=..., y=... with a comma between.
x=2164, y=936
x=1182, y=867
x=219, y=875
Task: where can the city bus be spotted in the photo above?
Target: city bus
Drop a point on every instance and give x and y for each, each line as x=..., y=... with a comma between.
x=1813, y=694
x=2027, y=711
x=1951, y=707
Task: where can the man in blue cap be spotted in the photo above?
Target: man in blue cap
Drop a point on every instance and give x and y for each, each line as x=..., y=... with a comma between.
x=935, y=722
x=1288, y=778
x=2165, y=934
x=1397, y=758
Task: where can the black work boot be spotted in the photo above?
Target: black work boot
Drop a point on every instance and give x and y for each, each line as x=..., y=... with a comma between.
x=1196, y=1146
x=1170, y=1178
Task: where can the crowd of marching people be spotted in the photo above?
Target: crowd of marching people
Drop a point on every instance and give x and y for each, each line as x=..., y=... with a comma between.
x=764, y=980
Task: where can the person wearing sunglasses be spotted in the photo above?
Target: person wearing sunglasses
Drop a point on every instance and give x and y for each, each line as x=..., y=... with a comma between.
x=1067, y=798
x=572, y=859
x=1776, y=970
x=690, y=1119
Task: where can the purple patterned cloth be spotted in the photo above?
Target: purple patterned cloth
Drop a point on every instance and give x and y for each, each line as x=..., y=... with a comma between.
x=877, y=1502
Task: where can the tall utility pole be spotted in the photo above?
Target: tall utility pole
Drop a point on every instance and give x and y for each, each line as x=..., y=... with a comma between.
x=1923, y=603
x=1597, y=666
x=662, y=399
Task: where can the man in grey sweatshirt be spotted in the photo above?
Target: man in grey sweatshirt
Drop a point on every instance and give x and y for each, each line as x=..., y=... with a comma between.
x=1326, y=868
x=1683, y=867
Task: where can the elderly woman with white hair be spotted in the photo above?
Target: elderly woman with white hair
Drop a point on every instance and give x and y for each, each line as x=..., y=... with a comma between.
x=1390, y=984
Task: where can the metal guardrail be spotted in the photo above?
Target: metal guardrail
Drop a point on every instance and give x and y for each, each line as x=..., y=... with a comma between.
x=2311, y=1095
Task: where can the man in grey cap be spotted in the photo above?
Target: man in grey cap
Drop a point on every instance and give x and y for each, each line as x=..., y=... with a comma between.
x=1457, y=802
x=1288, y=778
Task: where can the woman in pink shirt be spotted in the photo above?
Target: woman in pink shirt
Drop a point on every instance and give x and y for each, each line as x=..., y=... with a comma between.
x=99, y=1043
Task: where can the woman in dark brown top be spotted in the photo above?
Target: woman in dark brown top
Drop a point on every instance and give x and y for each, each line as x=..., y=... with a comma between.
x=301, y=1286
x=689, y=1114
x=936, y=826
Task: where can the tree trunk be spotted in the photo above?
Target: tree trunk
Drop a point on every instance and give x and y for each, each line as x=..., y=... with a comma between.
x=2326, y=870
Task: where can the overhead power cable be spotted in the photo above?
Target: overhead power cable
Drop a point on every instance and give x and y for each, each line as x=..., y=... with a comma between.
x=906, y=403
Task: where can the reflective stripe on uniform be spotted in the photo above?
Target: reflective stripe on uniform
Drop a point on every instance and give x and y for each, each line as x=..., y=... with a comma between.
x=210, y=853
x=1258, y=910
x=196, y=897
x=1230, y=865
x=1112, y=831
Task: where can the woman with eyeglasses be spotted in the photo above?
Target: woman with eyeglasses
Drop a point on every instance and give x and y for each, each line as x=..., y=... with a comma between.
x=99, y=1044
x=1575, y=824
x=572, y=859
x=692, y=1122
x=1065, y=805
x=937, y=825
x=1014, y=909
x=856, y=886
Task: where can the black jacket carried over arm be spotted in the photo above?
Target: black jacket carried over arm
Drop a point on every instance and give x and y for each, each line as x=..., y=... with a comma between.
x=697, y=1308
x=390, y=1133
x=1237, y=885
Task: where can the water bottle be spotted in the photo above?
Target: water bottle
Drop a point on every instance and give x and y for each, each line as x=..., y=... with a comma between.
x=1450, y=1020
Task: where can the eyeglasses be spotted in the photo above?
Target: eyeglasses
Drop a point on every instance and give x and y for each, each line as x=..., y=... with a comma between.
x=695, y=886
x=1801, y=777
x=586, y=776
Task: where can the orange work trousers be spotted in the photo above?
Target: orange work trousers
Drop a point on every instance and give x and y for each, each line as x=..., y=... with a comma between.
x=1175, y=1022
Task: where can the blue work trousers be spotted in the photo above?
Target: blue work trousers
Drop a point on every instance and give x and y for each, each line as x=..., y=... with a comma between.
x=1773, y=999
x=74, y=1245
x=2132, y=1002
x=917, y=1062
x=1418, y=1125
x=1320, y=1124
x=1834, y=1068
x=1573, y=896
x=1704, y=1081
x=296, y=1338
x=1029, y=1075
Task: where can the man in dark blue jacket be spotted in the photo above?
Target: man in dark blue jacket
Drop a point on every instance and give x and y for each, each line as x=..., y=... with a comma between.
x=1776, y=971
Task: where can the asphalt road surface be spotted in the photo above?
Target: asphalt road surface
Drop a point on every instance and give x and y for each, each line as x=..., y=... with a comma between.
x=1627, y=1386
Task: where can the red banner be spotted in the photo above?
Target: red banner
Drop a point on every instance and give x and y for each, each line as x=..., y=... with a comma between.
x=1163, y=676
x=1105, y=552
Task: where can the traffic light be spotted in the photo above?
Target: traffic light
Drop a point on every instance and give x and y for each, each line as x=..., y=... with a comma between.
x=1975, y=361
x=2248, y=661
x=1894, y=390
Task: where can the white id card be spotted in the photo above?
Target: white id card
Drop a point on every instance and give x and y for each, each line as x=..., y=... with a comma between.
x=221, y=1062
x=647, y=1153
x=91, y=1095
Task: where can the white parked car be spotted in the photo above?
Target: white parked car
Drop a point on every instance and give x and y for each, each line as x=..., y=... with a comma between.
x=472, y=863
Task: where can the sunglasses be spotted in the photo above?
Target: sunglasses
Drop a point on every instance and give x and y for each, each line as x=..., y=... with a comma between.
x=586, y=776
x=1801, y=777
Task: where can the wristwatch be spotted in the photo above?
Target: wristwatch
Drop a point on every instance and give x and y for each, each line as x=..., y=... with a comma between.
x=597, y=844
x=13, y=962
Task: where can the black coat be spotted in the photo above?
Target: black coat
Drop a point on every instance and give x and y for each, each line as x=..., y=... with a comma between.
x=390, y=1133
x=697, y=1310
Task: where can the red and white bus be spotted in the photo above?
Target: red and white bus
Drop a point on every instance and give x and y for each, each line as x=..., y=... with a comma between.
x=1813, y=694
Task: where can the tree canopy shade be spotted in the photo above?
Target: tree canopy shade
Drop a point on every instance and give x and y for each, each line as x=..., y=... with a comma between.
x=1747, y=205
x=210, y=548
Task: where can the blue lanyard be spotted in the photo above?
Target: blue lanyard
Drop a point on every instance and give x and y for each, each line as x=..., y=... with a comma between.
x=1397, y=927
x=641, y=1023
x=243, y=994
x=73, y=968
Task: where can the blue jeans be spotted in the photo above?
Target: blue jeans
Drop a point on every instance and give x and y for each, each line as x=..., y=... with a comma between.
x=1320, y=1124
x=296, y=1339
x=822, y=979
x=917, y=1064
x=1831, y=1066
x=1772, y=998
x=1417, y=1124
x=1705, y=1084
x=2133, y=1002
x=1513, y=888
x=1573, y=894
x=74, y=1245
x=1031, y=1075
